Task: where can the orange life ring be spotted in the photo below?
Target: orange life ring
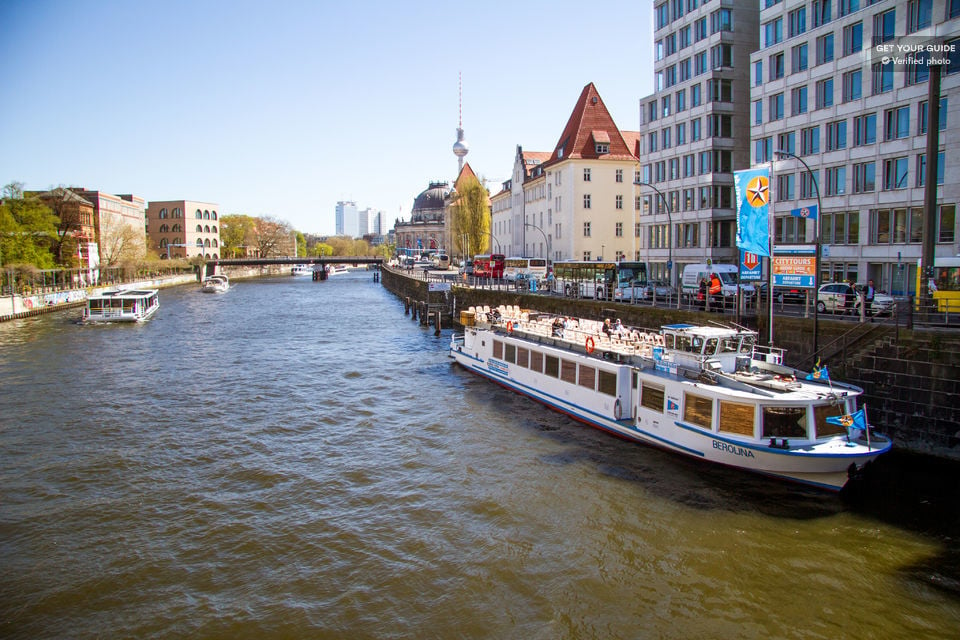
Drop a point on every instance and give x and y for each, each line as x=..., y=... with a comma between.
x=589, y=345
x=510, y=327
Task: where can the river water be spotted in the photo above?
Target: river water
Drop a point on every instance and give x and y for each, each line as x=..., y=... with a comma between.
x=299, y=459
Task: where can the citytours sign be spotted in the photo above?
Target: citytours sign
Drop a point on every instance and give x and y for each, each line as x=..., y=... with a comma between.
x=794, y=265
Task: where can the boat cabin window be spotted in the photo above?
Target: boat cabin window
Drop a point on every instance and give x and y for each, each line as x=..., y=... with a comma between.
x=552, y=366
x=824, y=428
x=737, y=417
x=588, y=377
x=498, y=349
x=536, y=361
x=510, y=352
x=607, y=383
x=784, y=422
x=568, y=371
x=696, y=344
x=523, y=357
x=669, y=341
x=712, y=344
x=746, y=345
x=651, y=397
x=729, y=345
x=698, y=410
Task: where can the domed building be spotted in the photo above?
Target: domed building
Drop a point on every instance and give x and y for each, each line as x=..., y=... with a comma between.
x=426, y=228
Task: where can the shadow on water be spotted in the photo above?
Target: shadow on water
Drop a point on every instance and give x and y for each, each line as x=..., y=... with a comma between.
x=921, y=494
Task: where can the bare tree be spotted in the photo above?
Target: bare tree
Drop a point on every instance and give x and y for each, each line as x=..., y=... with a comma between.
x=273, y=236
x=120, y=243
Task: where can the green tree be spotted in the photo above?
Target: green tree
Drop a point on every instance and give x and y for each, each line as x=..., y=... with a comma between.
x=27, y=229
x=301, y=243
x=470, y=218
x=237, y=232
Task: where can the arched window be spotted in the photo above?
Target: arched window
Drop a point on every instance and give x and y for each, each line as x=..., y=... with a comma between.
x=206, y=242
x=214, y=215
x=215, y=243
x=200, y=243
x=199, y=229
x=206, y=215
x=177, y=213
x=164, y=242
x=176, y=227
x=213, y=229
x=199, y=215
x=163, y=213
x=164, y=228
x=206, y=228
x=216, y=257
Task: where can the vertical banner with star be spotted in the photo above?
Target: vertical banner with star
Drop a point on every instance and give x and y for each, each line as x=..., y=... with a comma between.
x=752, y=188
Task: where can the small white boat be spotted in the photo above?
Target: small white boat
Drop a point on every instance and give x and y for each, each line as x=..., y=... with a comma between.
x=708, y=392
x=215, y=284
x=302, y=270
x=336, y=269
x=121, y=305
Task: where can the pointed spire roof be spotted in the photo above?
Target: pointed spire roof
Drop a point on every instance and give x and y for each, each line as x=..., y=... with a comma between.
x=465, y=173
x=589, y=124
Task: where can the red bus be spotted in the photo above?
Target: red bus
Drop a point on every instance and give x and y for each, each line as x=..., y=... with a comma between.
x=489, y=266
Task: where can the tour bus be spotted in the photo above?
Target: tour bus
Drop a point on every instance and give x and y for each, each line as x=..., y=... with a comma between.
x=945, y=286
x=534, y=268
x=488, y=265
x=621, y=281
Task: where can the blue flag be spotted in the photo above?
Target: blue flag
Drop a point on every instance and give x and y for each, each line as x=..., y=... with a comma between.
x=854, y=422
x=819, y=374
x=752, y=188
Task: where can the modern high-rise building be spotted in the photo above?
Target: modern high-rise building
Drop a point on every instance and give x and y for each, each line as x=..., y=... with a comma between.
x=347, y=219
x=694, y=132
x=854, y=128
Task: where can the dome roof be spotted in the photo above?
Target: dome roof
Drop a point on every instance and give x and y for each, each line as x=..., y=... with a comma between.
x=428, y=206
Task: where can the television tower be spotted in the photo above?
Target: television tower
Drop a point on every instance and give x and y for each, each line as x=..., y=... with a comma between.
x=460, y=147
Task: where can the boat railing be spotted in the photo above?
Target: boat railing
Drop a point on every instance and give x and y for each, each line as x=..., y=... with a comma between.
x=769, y=354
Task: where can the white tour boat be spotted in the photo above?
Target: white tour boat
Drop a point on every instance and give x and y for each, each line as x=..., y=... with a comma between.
x=336, y=269
x=709, y=392
x=302, y=270
x=215, y=284
x=121, y=305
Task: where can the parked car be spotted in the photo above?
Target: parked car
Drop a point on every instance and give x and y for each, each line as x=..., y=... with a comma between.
x=467, y=268
x=833, y=297
x=786, y=295
x=660, y=289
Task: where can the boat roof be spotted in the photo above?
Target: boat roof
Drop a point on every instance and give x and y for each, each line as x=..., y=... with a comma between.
x=125, y=293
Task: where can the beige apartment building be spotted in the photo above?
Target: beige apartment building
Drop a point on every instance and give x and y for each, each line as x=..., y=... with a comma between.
x=119, y=224
x=573, y=203
x=821, y=92
x=184, y=229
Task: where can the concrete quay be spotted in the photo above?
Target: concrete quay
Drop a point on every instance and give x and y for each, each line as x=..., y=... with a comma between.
x=910, y=377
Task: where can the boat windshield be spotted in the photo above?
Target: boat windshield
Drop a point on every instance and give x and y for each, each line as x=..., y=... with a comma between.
x=746, y=344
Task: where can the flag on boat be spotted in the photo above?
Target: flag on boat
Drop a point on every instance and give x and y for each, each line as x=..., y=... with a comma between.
x=819, y=373
x=752, y=187
x=853, y=422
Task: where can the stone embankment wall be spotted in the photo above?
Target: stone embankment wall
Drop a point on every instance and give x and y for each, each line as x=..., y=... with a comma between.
x=911, y=378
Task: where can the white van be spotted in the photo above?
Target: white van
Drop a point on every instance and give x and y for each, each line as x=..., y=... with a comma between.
x=694, y=273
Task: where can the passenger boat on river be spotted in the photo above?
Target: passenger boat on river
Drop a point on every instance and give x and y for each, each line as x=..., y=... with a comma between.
x=215, y=284
x=121, y=305
x=709, y=392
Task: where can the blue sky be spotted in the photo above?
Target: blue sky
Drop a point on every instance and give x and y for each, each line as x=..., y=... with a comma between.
x=284, y=108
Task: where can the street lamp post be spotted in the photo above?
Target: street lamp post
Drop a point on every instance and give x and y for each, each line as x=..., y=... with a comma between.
x=816, y=265
x=546, y=240
x=666, y=206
